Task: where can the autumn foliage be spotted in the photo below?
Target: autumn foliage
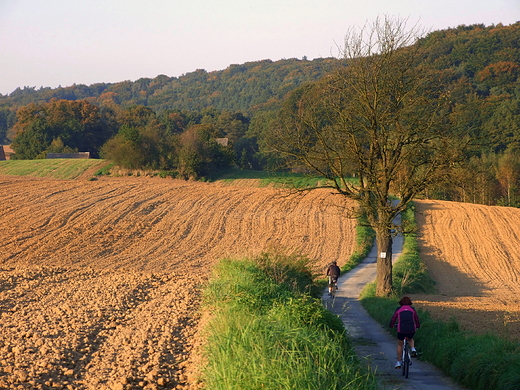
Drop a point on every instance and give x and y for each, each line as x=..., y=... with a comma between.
x=140, y=122
x=77, y=125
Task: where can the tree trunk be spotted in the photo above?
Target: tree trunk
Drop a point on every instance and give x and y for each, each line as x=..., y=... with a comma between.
x=384, y=262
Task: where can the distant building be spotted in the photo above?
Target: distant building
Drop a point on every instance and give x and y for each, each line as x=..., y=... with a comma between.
x=69, y=155
x=6, y=152
x=222, y=141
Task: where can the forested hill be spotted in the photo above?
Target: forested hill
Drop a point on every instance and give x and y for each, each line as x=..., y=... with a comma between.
x=244, y=87
x=476, y=54
x=483, y=64
x=172, y=123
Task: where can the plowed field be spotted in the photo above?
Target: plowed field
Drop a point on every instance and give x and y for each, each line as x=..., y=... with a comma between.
x=99, y=280
x=473, y=253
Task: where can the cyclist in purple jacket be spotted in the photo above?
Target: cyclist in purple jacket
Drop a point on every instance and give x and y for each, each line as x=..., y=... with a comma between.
x=407, y=321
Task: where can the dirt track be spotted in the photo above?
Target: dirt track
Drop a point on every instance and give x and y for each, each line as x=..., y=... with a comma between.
x=473, y=253
x=99, y=279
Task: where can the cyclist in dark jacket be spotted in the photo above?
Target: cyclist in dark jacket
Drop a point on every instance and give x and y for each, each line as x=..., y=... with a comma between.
x=407, y=321
x=333, y=273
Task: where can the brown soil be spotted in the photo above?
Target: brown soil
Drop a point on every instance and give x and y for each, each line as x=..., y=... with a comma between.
x=100, y=280
x=473, y=253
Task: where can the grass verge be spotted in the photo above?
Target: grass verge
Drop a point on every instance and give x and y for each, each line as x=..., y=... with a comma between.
x=267, y=331
x=474, y=361
x=276, y=179
x=365, y=237
x=409, y=273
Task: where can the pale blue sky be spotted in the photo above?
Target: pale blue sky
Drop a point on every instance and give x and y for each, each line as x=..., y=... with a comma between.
x=62, y=42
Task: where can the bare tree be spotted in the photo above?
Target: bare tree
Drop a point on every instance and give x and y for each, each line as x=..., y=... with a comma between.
x=377, y=119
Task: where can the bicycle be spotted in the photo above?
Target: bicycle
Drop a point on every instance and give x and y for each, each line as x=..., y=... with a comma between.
x=332, y=291
x=333, y=287
x=407, y=357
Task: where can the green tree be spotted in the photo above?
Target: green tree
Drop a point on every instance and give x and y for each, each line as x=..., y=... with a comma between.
x=142, y=142
x=480, y=185
x=135, y=116
x=80, y=126
x=30, y=143
x=122, y=152
x=508, y=175
x=57, y=146
x=233, y=126
x=378, y=119
x=256, y=141
x=6, y=122
x=503, y=125
x=174, y=121
x=199, y=154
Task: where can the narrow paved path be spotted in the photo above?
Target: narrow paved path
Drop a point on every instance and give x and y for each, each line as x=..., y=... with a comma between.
x=372, y=342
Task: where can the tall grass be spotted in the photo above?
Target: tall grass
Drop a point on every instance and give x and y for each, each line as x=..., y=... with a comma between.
x=410, y=274
x=475, y=361
x=365, y=237
x=479, y=362
x=269, y=333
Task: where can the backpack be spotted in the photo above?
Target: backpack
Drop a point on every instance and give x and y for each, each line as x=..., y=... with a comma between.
x=406, y=319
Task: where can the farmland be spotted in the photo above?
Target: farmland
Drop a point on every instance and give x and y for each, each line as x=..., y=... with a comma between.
x=100, y=280
x=473, y=253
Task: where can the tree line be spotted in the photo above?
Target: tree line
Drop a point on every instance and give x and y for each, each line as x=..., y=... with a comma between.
x=188, y=144
x=241, y=87
x=175, y=123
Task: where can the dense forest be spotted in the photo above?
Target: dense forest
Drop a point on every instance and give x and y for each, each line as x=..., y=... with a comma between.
x=202, y=121
x=246, y=88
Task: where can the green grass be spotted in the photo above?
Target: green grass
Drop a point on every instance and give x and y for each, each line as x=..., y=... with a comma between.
x=409, y=273
x=105, y=169
x=476, y=362
x=72, y=168
x=66, y=169
x=269, y=333
x=276, y=179
x=365, y=237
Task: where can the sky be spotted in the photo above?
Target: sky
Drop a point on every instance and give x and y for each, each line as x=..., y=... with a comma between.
x=55, y=43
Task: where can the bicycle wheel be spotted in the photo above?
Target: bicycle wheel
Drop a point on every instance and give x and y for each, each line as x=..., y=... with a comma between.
x=406, y=367
x=406, y=360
